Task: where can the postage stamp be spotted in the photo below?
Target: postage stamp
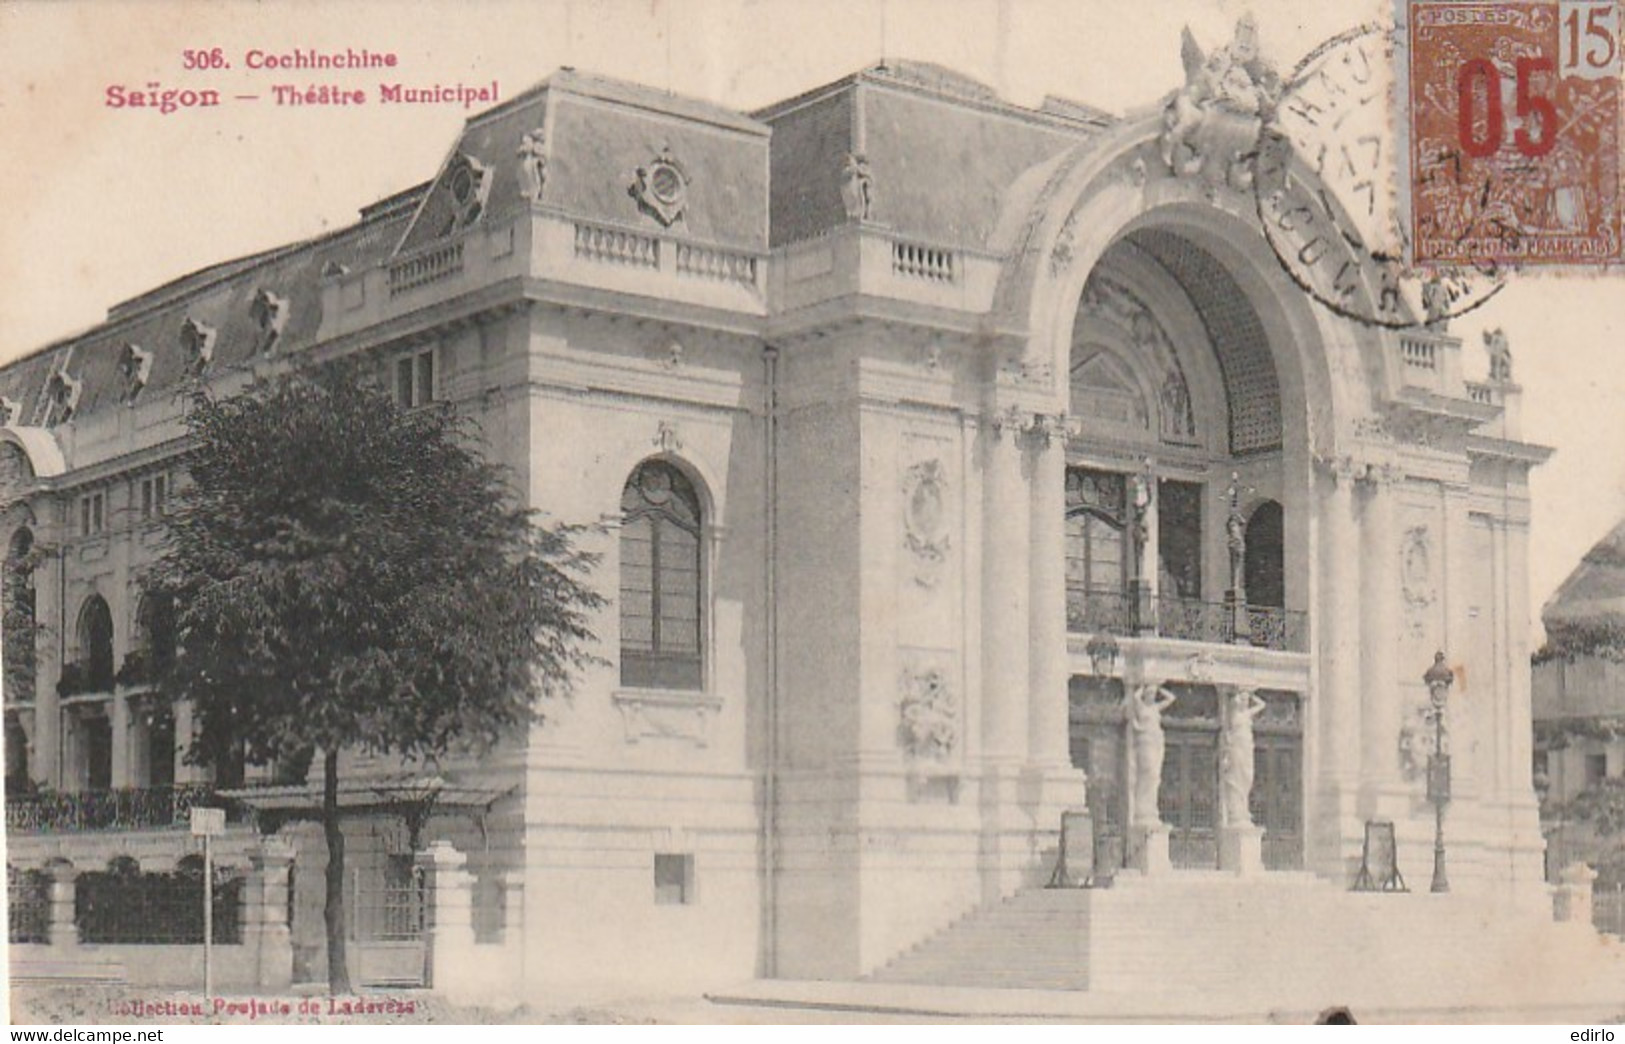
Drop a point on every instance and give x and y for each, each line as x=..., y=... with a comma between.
x=1512, y=114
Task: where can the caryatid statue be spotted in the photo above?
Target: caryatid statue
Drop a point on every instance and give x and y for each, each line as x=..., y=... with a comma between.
x=1140, y=494
x=1145, y=706
x=1236, y=758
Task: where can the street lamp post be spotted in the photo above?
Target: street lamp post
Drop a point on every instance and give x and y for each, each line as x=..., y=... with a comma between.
x=1439, y=678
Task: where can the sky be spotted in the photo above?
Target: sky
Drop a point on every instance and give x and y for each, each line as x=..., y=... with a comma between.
x=104, y=203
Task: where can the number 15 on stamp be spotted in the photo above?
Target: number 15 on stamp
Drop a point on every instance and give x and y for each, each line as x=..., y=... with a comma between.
x=1513, y=114
x=1588, y=39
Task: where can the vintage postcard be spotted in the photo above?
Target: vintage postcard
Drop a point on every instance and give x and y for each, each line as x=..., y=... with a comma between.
x=751, y=511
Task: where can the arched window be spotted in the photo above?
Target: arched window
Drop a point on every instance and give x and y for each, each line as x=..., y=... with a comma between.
x=95, y=634
x=1264, y=572
x=152, y=641
x=660, y=579
x=1096, y=530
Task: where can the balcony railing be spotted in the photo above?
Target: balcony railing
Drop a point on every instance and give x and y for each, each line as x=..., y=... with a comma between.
x=85, y=676
x=429, y=266
x=1185, y=619
x=144, y=808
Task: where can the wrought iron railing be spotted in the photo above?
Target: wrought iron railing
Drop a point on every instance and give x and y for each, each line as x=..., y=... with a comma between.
x=124, y=809
x=1099, y=612
x=85, y=676
x=1192, y=620
x=1185, y=619
x=28, y=905
x=125, y=906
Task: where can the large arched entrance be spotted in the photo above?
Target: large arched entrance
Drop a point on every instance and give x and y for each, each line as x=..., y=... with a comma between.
x=1198, y=393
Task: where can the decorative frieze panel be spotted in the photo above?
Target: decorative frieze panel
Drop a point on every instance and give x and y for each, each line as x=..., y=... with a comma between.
x=659, y=714
x=926, y=532
x=1417, y=739
x=928, y=727
x=1417, y=578
x=1108, y=301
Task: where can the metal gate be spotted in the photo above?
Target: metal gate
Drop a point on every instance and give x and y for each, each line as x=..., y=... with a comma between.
x=1190, y=795
x=1276, y=801
x=390, y=926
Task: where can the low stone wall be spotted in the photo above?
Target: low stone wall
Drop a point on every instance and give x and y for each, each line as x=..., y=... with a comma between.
x=236, y=966
x=263, y=959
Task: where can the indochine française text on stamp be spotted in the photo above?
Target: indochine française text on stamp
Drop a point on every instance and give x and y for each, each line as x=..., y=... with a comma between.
x=1513, y=118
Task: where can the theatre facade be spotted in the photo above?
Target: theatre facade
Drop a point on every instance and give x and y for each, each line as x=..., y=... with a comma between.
x=963, y=464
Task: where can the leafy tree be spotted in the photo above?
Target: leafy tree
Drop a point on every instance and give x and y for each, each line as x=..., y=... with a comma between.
x=346, y=574
x=19, y=625
x=1602, y=805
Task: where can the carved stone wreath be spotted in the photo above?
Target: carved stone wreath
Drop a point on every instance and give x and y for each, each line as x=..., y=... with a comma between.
x=925, y=520
x=928, y=715
x=661, y=188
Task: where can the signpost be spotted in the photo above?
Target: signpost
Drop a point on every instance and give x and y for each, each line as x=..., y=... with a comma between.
x=207, y=822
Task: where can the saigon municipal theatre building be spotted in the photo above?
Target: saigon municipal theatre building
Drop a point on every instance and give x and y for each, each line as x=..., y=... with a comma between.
x=962, y=464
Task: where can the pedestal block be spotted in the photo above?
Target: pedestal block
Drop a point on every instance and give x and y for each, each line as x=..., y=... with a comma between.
x=1148, y=849
x=1241, y=849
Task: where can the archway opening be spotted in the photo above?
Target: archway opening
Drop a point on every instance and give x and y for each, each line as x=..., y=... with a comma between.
x=1265, y=572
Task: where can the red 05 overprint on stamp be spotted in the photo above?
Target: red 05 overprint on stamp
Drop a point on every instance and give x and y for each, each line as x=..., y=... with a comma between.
x=1513, y=118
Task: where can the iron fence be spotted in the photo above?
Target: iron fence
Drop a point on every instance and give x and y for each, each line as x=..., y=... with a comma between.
x=1608, y=908
x=28, y=905
x=395, y=911
x=1185, y=619
x=131, y=808
x=122, y=905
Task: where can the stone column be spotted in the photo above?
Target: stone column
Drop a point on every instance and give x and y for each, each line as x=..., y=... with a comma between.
x=1006, y=546
x=1381, y=707
x=1048, y=742
x=64, y=932
x=265, y=913
x=121, y=729
x=1337, y=624
x=1466, y=756
x=454, y=968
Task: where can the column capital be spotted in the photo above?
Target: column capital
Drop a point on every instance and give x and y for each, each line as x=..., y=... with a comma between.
x=1043, y=430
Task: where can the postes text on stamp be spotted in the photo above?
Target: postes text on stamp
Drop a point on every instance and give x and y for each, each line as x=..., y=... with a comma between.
x=1513, y=117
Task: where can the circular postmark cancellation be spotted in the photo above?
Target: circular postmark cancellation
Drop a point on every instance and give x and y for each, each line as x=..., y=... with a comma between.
x=1323, y=171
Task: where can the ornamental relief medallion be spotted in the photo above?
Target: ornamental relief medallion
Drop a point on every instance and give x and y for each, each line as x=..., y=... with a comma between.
x=925, y=521
x=1416, y=577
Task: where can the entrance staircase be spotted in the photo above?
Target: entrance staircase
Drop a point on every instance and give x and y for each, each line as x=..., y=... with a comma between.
x=1277, y=939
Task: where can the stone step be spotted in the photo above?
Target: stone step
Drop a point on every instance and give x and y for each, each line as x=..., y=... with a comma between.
x=1218, y=932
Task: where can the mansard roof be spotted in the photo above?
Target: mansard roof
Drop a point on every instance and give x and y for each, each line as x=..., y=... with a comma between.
x=943, y=148
x=597, y=132
x=1595, y=592
x=219, y=298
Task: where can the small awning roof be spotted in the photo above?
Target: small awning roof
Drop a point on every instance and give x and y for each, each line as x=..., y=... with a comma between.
x=370, y=793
